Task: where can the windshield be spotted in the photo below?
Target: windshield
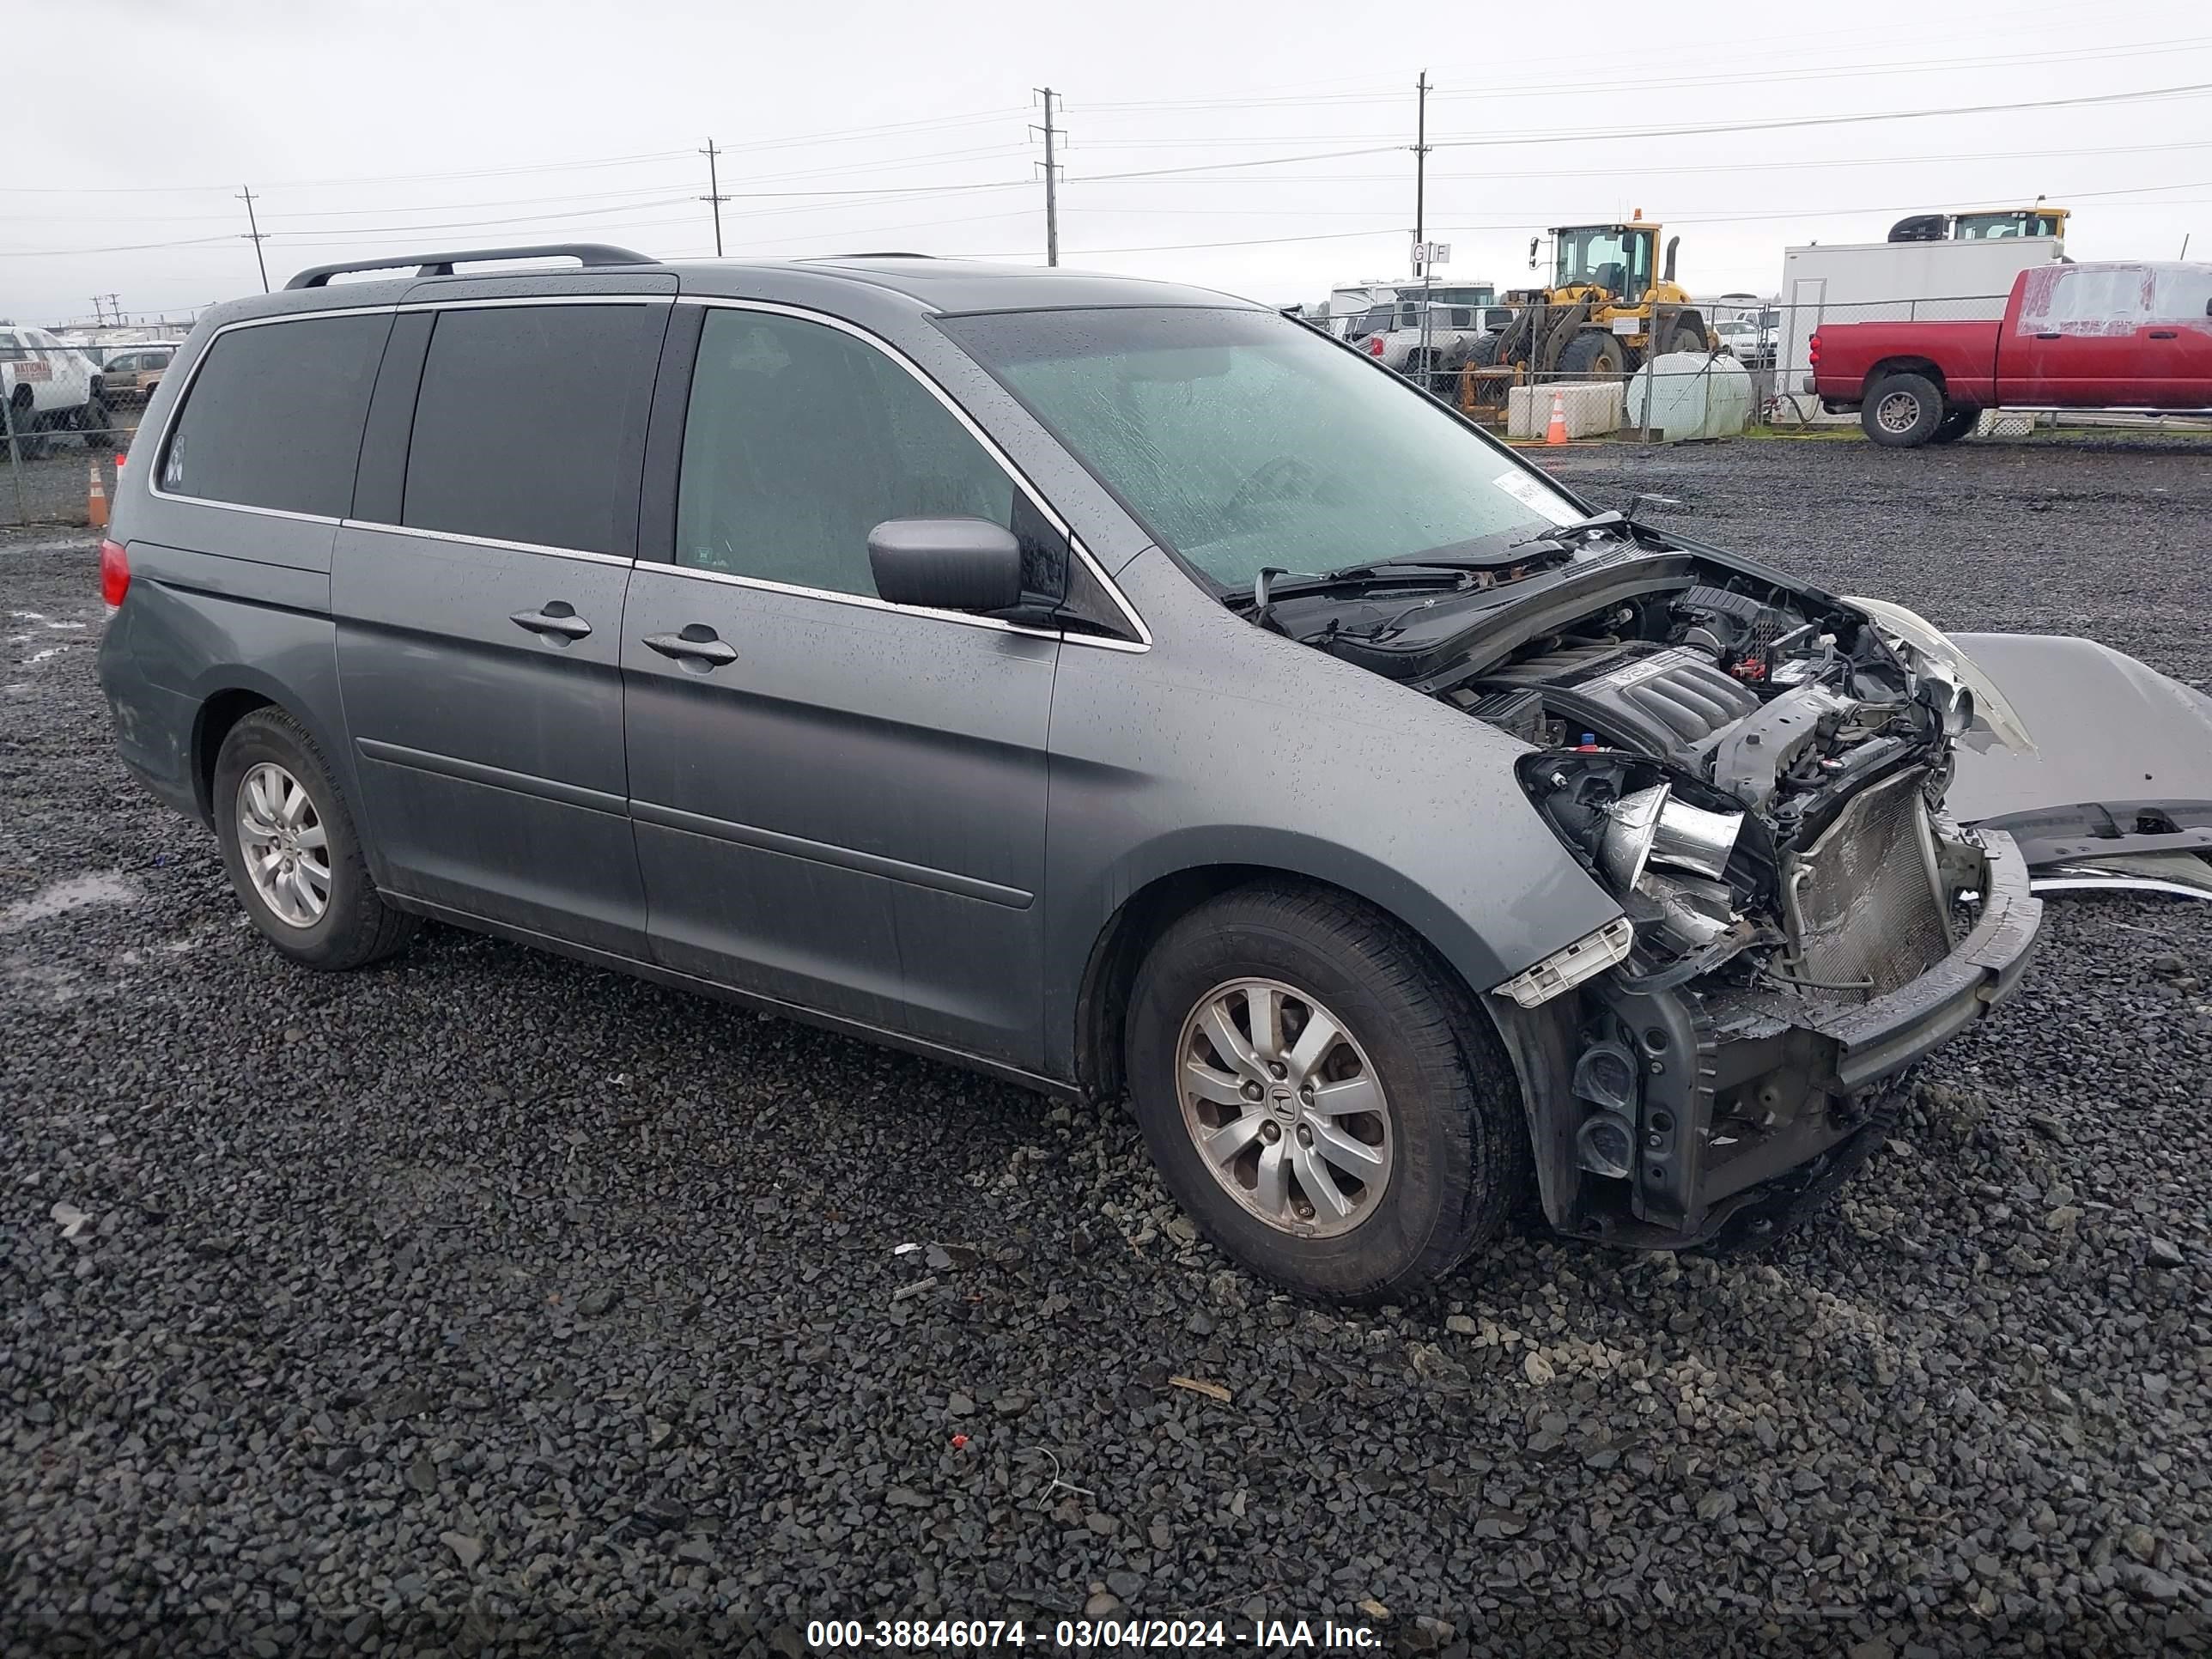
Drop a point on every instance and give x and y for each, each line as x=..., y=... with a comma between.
x=1616, y=259
x=1241, y=440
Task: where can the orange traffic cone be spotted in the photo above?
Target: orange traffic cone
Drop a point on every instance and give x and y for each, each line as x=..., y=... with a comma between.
x=95, y=503
x=1557, y=432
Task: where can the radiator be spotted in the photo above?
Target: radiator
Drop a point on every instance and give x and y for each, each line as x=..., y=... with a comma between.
x=1864, y=903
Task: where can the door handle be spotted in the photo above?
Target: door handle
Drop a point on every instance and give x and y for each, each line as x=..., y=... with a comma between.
x=558, y=619
x=2050, y=336
x=2164, y=334
x=696, y=643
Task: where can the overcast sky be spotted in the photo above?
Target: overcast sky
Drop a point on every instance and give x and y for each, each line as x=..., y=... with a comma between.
x=1276, y=136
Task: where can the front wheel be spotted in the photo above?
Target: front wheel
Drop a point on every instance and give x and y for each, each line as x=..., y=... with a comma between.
x=294, y=855
x=1320, y=1098
x=1902, y=412
x=1594, y=356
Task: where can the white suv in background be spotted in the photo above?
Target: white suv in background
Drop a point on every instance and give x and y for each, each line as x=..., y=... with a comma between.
x=48, y=387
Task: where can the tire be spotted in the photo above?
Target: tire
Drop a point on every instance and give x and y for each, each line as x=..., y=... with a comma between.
x=1421, y=369
x=1449, y=1135
x=1592, y=355
x=30, y=436
x=95, y=421
x=1686, y=339
x=354, y=926
x=1956, y=423
x=1902, y=412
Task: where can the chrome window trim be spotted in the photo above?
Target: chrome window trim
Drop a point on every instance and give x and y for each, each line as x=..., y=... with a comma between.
x=487, y=541
x=990, y=446
x=868, y=602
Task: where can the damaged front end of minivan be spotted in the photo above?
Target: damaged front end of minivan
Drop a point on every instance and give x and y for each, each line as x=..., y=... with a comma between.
x=1756, y=771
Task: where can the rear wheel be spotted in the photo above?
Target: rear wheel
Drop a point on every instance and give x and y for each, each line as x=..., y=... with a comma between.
x=1902, y=412
x=1319, y=1096
x=293, y=856
x=1955, y=424
x=95, y=422
x=1593, y=356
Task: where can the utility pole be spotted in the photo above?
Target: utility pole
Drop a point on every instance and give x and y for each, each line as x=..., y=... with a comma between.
x=1421, y=170
x=1420, y=215
x=254, y=235
x=715, y=194
x=1051, y=183
x=99, y=316
x=115, y=305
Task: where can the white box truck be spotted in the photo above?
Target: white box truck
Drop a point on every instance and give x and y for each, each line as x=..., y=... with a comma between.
x=1890, y=282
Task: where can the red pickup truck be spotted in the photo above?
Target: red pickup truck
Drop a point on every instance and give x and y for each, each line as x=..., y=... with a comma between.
x=2134, y=336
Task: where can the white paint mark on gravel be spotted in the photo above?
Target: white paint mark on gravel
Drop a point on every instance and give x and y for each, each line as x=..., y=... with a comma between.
x=72, y=893
x=40, y=656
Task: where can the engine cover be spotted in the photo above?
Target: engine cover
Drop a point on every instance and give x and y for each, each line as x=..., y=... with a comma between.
x=1665, y=701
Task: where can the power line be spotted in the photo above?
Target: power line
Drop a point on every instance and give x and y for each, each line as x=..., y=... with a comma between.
x=2146, y=95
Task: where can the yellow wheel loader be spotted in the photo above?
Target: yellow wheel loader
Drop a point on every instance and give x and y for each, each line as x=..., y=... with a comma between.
x=1608, y=298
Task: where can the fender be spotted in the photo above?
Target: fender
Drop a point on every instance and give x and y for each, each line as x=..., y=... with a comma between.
x=1363, y=783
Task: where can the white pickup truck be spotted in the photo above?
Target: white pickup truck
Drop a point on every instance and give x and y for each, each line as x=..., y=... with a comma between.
x=49, y=388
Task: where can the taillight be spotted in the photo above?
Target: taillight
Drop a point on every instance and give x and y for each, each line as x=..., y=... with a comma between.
x=1375, y=346
x=1813, y=347
x=114, y=572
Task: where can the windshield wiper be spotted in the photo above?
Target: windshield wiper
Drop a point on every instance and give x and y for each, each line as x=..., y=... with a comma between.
x=1611, y=516
x=1558, y=532
x=1265, y=589
x=1424, y=562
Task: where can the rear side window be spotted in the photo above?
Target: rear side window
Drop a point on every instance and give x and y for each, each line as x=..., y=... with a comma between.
x=274, y=415
x=530, y=424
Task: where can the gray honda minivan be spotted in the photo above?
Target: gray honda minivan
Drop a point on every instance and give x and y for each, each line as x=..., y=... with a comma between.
x=1112, y=686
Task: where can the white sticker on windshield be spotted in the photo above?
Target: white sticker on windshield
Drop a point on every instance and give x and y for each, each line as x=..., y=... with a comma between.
x=1532, y=494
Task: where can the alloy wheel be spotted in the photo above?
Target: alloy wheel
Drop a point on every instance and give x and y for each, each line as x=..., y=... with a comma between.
x=1898, y=412
x=1286, y=1110
x=284, y=847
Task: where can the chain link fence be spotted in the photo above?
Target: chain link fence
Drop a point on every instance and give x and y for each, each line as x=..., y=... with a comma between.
x=1755, y=355
x=66, y=415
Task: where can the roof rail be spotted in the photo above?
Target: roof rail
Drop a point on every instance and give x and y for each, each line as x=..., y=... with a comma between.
x=441, y=264
x=879, y=253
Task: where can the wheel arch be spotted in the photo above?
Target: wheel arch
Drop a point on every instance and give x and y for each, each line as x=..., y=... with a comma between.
x=1537, y=1042
x=1903, y=364
x=217, y=714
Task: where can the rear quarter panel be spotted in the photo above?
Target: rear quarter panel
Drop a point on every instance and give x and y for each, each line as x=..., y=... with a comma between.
x=222, y=599
x=1962, y=353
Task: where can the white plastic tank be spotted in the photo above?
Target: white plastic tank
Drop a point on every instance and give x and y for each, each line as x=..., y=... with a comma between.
x=1698, y=396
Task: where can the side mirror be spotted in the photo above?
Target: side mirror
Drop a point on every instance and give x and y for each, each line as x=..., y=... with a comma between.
x=947, y=564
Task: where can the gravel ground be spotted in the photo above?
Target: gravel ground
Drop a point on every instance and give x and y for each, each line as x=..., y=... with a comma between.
x=487, y=1303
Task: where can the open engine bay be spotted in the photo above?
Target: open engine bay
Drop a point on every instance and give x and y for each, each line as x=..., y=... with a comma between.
x=1756, y=771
